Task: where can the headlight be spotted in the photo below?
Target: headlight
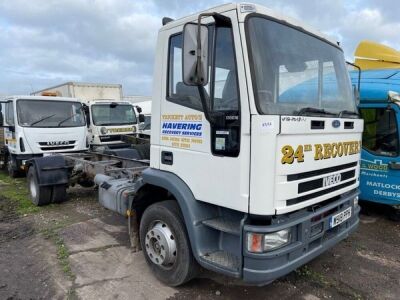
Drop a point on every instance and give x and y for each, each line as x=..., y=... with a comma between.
x=134, y=128
x=258, y=242
x=276, y=239
x=103, y=130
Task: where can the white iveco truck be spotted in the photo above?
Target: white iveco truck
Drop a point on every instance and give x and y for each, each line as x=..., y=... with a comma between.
x=108, y=116
x=254, y=152
x=36, y=126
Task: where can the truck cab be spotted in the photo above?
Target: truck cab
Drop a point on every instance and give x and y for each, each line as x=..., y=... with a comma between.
x=271, y=177
x=380, y=159
x=108, y=120
x=37, y=125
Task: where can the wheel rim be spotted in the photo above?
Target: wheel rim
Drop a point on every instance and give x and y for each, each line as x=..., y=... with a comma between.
x=32, y=189
x=160, y=244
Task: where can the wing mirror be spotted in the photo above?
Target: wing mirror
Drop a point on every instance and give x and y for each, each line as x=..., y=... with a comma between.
x=141, y=118
x=195, y=54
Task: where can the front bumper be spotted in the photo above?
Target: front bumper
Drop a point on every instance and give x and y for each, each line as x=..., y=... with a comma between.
x=307, y=242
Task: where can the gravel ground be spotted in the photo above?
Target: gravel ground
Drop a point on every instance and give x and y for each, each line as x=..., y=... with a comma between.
x=79, y=250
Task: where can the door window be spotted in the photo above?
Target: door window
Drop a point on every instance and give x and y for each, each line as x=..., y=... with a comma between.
x=380, y=131
x=178, y=92
x=225, y=74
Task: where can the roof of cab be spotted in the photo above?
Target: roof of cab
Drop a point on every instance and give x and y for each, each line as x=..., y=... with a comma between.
x=258, y=9
x=375, y=84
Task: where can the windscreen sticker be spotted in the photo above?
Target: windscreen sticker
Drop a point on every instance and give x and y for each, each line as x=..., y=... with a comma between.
x=267, y=126
x=183, y=131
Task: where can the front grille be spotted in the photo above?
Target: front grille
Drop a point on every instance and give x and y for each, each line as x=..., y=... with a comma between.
x=309, y=174
x=57, y=145
x=110, y=138
x=318, y=183
x=319, y=193
x=57, y=148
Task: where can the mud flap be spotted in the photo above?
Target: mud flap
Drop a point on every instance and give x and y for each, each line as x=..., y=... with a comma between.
x=50, y=170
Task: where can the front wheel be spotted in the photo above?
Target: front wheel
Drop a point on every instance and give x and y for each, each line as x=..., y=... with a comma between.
x=166, y=245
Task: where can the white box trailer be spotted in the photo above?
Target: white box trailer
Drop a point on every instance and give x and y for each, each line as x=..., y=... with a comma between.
x=84, y=91
x=108, y=115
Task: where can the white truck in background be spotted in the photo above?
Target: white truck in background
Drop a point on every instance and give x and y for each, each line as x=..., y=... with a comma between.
x=108, y=115
x=36, y=125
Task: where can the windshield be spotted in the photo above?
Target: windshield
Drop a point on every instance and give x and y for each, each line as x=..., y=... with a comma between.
x=113, y=114
x=49, y=113
x=294, y=71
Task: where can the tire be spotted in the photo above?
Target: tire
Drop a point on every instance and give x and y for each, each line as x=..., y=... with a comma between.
x=177, y=268
x=59, y=194
x=12, y=169
x=40, y=195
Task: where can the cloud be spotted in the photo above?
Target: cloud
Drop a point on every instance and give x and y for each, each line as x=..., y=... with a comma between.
x=47, y=42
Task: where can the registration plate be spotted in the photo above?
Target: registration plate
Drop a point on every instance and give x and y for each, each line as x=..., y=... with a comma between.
x=340, y=218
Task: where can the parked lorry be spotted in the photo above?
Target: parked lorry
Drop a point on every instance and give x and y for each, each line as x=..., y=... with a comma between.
x=238, y=180
x=380, y=156
x=108, y=116
x=35, y=126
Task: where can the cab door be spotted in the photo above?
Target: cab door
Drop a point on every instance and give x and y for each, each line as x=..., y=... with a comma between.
x=380, y=160
x=212, y=159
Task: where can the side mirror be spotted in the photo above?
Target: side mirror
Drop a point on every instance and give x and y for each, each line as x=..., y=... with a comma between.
x=141, y=118
x=195, y=54
x=138, y=109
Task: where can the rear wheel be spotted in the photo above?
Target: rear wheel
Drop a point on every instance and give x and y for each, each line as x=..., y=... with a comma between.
x=166, y=245
x=40, y=195
x=59, y=194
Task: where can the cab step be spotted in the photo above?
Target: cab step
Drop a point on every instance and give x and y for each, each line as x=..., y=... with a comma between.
x=223, y=259
x=224, y=225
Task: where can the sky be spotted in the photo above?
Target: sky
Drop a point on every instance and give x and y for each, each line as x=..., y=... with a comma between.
x=49, y=42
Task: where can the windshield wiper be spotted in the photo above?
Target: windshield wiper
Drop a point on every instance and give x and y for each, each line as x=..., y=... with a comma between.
x=66, y=119
x=42, y=119
x=348, y=113
x=313, y=110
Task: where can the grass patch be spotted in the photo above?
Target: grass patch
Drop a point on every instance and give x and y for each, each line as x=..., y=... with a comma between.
x=16, y=191
x=316, y=277
x=62, y=250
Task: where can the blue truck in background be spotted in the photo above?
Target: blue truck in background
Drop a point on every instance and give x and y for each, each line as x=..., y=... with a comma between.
x=380, y=159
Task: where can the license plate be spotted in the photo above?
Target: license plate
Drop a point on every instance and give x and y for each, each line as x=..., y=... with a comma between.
x=340, y=218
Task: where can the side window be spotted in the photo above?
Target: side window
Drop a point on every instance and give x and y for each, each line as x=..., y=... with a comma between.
x=9, y=114
x=225, y=74
x=178, y=92
x=380, y=131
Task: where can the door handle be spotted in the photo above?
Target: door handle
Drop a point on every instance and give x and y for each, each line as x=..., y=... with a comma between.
x=167, y=158
x=394, y=165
